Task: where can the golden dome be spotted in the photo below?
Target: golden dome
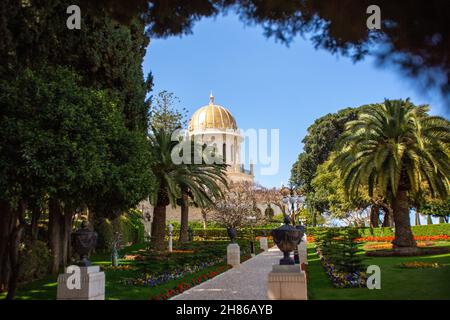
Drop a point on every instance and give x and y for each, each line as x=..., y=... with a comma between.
x=212, y=116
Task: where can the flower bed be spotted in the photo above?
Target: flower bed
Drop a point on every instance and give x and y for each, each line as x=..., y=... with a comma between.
x=183, y=286
x=420, y=265
x=441, y=237
x=388, y=245
x=339, y=279
x=153, y=280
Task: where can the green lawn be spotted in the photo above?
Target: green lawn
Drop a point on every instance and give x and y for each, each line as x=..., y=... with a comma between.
x=396, y=283
x=116, y=289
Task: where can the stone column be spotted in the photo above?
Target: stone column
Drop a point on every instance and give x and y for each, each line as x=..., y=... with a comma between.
x=263, y=243
x=81, y=283
x=233, y=255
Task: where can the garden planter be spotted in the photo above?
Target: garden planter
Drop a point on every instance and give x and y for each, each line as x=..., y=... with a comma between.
x=287, y=238
x=84, y=241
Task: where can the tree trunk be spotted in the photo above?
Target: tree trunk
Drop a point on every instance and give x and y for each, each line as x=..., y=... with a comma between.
x=441, y=219
x=205, y=218
x=13, y=252
x=55, y=222
x=429, y=220
x=65, y=235
x=159, y=226
x=388, y=217
x=184, y=237
x=6, y=218
x=35, y=216
x=417, y=218
x=404, y=238
x=374, y=216
x=16, y=237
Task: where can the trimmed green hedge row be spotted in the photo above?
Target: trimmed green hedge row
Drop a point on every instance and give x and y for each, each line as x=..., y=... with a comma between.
x=221, y=233
x=425, y=230
x=130, y=228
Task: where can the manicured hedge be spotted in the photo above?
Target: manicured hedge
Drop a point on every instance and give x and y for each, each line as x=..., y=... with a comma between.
x=128, y=225
x=221, y=233
x=426, y=230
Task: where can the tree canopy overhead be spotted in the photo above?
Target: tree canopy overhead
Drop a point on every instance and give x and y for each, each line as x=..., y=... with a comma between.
x=414, y=36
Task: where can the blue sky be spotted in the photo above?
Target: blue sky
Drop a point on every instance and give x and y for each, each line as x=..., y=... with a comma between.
x=268, y=85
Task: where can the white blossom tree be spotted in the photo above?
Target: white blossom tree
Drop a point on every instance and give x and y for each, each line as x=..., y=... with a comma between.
x=238, y=205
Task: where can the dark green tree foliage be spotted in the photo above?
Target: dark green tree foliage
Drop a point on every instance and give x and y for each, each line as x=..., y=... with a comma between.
x=439, y=209
x=69, y=144
x=318, y=143
x=106, y=54
x=73, y=120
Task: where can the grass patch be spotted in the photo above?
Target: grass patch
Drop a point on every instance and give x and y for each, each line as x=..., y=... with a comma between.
x=116, y=289
x=396, y=282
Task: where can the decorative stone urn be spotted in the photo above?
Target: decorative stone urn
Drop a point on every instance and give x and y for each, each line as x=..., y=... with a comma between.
x=287, y=238
x=232, y=234
x=84, y=241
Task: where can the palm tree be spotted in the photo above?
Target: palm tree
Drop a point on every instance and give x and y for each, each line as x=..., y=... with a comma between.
x=200, y=181
x=395, y=147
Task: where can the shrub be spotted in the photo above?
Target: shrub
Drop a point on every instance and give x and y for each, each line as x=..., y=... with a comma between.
x=337, y=250
x=122, y=225
x=105, y=234
x=129, y=225
x=346, y=258
x=34, y=260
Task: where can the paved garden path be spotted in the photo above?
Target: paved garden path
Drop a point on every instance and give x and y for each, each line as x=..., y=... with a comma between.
x=246, y=282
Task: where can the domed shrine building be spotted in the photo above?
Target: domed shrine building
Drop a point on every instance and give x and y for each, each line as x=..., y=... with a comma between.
x=214, y=125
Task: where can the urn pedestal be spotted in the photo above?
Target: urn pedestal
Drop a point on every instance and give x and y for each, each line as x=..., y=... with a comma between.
x=84, y=281
x=91, y=285
x=263, y=244
x=233, y=255
x=286, y=282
